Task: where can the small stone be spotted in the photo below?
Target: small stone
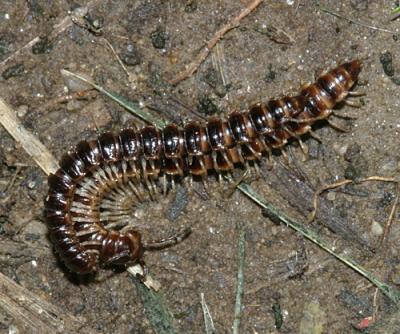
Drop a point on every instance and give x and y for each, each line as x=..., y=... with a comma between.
x=158, y=38
x=341, y=149
x=22, y=111
x=386, y=60
x=376, y=228
x=191, y=6
x=74, y=105
x=359, y=4
x=353, y=152
x=31, y=184
x=13, y=71
x=43, y=46
x=131, y=56
x=74, y=84
x=314, y=319
x=352, y=173
x=331, y=196
x=271, y=75
x=207, y=106
x=5, y=44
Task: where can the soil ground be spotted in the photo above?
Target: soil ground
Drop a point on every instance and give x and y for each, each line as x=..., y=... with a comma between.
x=278, y=47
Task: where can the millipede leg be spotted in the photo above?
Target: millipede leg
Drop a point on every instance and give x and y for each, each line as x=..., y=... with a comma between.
x=304, y=148
x=164, y=183
x=204, y=180
x=229, y=177
x=247, y=169
x=154, y=187
x=257, y=169
x=344, y=116
x=337, y=126
x=352, y=103
x=285, y=156
x=355, y=93
x=167, y=242
x=315, y=136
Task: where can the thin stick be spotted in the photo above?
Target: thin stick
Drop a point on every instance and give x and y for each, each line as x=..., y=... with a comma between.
x=343, y=183
x=362, y=24
x=319, y=191
x=234, y=23
x=58, y=28
x=131, y=78
x=32, y=314
x=277, y=215
x=36, y=150
x=391, y=216
x=21, y=49
x=240, y=280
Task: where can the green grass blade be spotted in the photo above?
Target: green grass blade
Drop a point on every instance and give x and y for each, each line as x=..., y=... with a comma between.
x=133, y=107
x=240, y=280
x=396, y=10
x=156, y=311
x=275, y=214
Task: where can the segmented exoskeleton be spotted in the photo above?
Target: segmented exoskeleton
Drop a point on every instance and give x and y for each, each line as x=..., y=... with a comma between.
x=98, y=173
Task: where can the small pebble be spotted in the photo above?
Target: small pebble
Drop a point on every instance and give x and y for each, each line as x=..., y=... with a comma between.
x=386, y=60
x=271, y=74
x=74, y=105
x=207, y=106
x=359, y=4
x=331, y=196
x=191, y=6
x=131, y=56
x=22, y=111
x=376, y=228
x=74, y=84
x=43, y=46
x=340, y=149
x=31, y=184
x=13, y=71
x=314, y=319
x=158, y=38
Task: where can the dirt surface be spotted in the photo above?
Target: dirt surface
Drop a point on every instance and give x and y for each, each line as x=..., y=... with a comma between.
x=278, y=47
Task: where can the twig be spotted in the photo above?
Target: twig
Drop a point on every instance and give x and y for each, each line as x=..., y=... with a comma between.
x=28, y=140
x=156, y=311
x=58, y=28
x=79, y=95
x=343, y=183
x=276, y=215
x=299, y=193
x=11, y=182
x=34, y=315
x=362, y=24
x=319, y=192
x=192, y=67
x=131, y=78
x=391, y=216
x=130, y=106
x=16, y=53
x=240, y=280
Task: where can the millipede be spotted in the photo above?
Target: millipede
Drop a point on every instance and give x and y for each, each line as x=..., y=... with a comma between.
x=86, y=205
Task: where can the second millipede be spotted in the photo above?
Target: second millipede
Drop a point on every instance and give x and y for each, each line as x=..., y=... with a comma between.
x=83, y=206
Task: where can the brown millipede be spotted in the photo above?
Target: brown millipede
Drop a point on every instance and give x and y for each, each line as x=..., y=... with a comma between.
x=83, y=206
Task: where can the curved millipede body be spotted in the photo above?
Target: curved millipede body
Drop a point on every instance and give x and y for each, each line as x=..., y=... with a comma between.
x=84, y=205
